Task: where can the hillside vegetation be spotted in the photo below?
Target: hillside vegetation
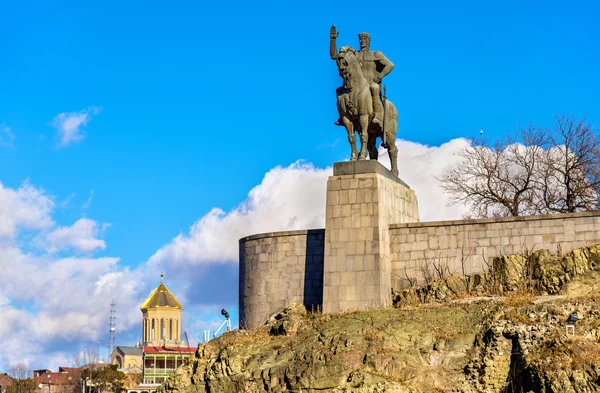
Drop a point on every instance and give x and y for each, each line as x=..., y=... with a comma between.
x=453, y=335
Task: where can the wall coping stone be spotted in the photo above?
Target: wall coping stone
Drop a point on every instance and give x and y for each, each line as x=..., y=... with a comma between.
x=282, y=233
x=495, y=220
x=345, y=168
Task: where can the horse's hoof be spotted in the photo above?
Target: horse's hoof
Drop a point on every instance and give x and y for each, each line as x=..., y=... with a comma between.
x=395, y=172
x=353, y=158
x=361, y=157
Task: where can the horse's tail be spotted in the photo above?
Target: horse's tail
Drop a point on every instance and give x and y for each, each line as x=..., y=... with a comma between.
x=391, y=122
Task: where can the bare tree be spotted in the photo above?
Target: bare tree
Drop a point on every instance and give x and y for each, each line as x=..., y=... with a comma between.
x=570, y=179
x=498, y=180
x=463, y=258
x=489, y=269
x=87, y=357
x=20, y=371
x=425, y=268
x=86, y=361
x=547, y=171
x=412, y=281
x=23, y=376
x=440, y=268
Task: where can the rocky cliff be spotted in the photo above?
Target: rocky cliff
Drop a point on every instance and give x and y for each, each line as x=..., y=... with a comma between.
x=455, y=334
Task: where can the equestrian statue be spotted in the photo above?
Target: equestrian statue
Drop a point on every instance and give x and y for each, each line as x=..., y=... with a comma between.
x=360, y=102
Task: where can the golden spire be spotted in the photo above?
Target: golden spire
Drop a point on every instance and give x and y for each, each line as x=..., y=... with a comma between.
x=161, y=297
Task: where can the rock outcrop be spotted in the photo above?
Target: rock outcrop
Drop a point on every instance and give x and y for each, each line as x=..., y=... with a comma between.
x=458, y=342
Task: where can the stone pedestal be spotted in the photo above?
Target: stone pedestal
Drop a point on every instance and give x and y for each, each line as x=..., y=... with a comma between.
x=363, y=199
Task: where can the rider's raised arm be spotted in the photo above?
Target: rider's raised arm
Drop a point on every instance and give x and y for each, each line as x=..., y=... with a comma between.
x=332, y=44
x=388, y=66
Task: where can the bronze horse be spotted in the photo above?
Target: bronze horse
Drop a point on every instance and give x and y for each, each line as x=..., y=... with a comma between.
x=355, y=106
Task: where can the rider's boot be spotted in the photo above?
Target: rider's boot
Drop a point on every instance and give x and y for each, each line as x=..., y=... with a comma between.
x=338, y=122
x=375, y=118
x=377, y=109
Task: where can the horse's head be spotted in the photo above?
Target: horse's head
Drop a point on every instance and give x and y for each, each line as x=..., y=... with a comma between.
x=348, y=63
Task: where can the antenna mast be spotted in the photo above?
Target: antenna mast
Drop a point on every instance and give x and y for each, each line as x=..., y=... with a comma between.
x=112, y=329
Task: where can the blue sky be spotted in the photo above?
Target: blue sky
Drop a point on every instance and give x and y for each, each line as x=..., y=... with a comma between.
x=185, y=107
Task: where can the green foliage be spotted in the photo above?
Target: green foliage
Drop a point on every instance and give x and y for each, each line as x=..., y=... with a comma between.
x=26, y=385
x=105, y=379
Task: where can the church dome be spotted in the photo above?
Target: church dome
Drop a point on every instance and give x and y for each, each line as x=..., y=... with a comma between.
x=161, y=297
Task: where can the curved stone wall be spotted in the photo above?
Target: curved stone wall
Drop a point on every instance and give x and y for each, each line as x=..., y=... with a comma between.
x=278, y=268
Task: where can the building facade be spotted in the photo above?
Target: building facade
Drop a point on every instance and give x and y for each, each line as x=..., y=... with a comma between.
x=161, y=350
x=160, y=362
x=129, y=359
x=161, y=318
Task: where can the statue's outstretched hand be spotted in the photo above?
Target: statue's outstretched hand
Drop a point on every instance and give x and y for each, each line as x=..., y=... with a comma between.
x=333, y=33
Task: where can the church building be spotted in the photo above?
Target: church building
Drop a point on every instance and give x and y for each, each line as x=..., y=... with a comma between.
x=161, y=350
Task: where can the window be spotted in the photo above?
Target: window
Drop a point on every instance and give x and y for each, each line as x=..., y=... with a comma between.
x=171, y=364
x=152, y=331
x=150, y=362
x=170, y=329
x=160, y=363
x=163, y=334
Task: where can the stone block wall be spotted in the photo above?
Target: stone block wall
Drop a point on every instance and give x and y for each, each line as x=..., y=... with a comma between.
x=450, y=243
x=277, y=268
x=373, y=242
x=363, y=199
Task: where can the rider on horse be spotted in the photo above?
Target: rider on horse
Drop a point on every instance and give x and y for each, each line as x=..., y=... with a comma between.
x=375, y=66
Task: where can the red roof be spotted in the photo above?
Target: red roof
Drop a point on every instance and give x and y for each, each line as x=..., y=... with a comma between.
x=70, y=369
x=63, y=374
x=151, y=349
x=53, y=378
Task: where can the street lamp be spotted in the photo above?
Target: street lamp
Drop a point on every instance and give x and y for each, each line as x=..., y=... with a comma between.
x=224, y=313
x=226, y=323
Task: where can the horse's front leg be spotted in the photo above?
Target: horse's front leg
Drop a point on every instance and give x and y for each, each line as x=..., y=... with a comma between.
x=351, y=137
x=364, y=136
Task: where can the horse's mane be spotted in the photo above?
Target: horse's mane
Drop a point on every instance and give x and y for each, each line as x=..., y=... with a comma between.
x=346, y=49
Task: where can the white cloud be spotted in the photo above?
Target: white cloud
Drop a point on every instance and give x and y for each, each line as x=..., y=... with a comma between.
x=64, y=203
x=87, y=204
x=59, y=300
x=81, y=236
x=52, y=303
x=419, y=165
x=26, y=207
x=6, y=136
x=70, y=125
x=287, y=198
x=294, y=198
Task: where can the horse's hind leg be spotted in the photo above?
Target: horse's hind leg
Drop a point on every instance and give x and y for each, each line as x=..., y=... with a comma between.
x=351, y=137
x=393, y=152
x=372, y=147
